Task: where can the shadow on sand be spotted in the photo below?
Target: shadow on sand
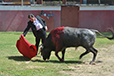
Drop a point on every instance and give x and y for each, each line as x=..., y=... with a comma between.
x=56, y=61
x=22, y=58
x=19, y=58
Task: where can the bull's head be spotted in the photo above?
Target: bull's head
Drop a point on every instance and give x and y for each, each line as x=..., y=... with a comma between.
x=45, y=52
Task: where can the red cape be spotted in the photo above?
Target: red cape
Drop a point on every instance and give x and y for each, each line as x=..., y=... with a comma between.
x=25, y=48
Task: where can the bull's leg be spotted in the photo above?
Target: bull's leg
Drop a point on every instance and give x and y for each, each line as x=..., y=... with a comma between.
x=86, y=52
x=58, y=49
x=63, y=53
x=94, y=51
x=56, y=53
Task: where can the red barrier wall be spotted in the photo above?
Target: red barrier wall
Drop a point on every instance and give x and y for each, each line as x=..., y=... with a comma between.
x=96, y=19
x=49, y=22
x=17, y=20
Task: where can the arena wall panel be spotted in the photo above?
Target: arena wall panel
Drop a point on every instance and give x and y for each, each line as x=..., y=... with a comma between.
x=15, y=18
x=100, y=18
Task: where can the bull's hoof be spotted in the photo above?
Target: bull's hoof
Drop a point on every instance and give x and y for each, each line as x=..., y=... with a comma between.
x=92, y=63
x=80, y=57
x=61, y=60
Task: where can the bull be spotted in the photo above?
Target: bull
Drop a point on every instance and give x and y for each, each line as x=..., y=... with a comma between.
x=62, y=37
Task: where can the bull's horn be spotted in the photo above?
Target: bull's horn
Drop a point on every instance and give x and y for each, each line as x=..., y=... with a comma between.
x=39, y=51
x=41, y=47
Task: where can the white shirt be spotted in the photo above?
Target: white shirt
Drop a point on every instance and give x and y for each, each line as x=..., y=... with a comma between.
x=38, y=24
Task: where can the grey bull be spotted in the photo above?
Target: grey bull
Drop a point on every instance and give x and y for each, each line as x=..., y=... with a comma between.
x=62, y=37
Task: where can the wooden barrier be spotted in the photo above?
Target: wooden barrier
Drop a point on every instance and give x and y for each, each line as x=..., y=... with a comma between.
x=49, y=22
x=14, y=3
x=20, y=2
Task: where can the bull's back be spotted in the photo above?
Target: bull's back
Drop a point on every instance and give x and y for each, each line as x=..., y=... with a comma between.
x=74, y=37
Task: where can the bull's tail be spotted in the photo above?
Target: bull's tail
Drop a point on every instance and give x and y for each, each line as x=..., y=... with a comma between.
x=110, y=38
